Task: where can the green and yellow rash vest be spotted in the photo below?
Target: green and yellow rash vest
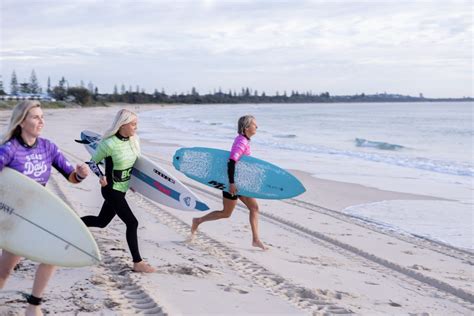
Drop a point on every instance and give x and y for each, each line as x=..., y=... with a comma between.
x=119, y=160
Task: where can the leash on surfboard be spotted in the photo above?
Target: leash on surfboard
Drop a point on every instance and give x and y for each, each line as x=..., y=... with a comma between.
x=28, y=297
x=24, y=294
x=11, y=292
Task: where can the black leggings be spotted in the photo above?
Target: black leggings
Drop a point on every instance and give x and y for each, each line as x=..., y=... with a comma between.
x=115, y=204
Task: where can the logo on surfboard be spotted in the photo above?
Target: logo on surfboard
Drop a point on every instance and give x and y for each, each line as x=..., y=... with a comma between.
x=187, y=201
x=6, y=208
x=217, y=185
x=164, y=176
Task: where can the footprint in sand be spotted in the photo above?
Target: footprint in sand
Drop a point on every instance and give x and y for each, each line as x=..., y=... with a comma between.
x=233, y=288
x=184, y=270
x=419, y=267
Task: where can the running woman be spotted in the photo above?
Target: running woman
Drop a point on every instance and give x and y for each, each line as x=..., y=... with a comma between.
x=120, y=149
x=22, y=149
x=247, y=127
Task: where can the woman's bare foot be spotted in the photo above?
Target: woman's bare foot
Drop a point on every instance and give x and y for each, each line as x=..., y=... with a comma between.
x=33, y=310
x=259, y=244
x=194, y=226
x=143, y=267
x=190, y=239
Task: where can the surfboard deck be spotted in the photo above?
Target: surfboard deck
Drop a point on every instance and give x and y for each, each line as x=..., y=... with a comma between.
x=153, y=181
x=38, y=225
x=253, y=177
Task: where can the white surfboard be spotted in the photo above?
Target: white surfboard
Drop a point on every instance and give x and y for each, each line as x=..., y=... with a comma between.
x=153, y=181
x=38, y=225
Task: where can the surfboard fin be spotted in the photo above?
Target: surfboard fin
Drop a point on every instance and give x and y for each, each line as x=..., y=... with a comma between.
x=82, y=141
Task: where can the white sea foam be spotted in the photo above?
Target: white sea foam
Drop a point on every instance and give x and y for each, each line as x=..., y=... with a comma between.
x=420, y=218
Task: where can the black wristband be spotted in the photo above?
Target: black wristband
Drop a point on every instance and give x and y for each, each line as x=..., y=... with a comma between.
x=78, y=177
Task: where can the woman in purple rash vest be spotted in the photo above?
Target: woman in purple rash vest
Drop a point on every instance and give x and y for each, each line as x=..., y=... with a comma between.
x=22, y=149
x=247, y=127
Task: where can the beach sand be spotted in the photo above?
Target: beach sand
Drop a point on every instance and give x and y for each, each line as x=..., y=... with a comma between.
x=320, y=261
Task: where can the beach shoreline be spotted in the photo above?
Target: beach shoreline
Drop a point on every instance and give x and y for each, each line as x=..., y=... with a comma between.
x=320, y=259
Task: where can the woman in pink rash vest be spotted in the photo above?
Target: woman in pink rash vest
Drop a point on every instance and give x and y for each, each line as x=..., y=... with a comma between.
x=22, y=149
x=247, y=127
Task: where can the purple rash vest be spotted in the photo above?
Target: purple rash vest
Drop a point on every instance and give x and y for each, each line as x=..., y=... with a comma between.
x=34, y=161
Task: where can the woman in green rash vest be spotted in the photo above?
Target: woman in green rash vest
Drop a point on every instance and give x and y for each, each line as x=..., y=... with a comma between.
x=120, y=149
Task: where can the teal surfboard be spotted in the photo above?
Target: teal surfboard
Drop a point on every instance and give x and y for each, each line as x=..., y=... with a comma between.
x=253, y=177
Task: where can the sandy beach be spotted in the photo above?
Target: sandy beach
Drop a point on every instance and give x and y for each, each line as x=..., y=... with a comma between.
x=320, y=261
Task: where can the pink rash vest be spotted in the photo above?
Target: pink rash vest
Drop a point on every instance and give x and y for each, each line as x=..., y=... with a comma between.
x=240, y=147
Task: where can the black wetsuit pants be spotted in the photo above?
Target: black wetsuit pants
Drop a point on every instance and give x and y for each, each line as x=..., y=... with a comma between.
x=115, y=204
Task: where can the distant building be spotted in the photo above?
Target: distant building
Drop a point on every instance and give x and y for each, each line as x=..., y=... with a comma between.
x=27, y=96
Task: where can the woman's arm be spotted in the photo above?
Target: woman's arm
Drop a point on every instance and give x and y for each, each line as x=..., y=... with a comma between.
x=231, y=170
x=101, y=152
x=6, y=154
x=230, y=174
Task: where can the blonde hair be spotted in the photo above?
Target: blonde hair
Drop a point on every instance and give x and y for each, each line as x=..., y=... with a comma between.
x=123, y=117
x=18, y=115
x=243, y=123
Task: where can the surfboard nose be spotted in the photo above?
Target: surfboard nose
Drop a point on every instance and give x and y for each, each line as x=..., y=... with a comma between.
x=95, y=256
x=296, y=188
x=300, y=189
x=88, y=258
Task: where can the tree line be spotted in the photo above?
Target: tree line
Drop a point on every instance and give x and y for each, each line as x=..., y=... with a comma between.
x=89, y=95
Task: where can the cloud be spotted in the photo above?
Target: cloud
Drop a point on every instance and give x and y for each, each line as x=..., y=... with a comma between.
x=232, y=38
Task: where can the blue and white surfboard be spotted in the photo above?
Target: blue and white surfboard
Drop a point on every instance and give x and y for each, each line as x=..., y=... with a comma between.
x=253, y=177
x=151, y=180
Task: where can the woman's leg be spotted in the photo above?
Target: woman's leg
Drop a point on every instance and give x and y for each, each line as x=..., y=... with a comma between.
x=8, y=261
x=252, y=205
x=42, y=277
x=106, y=214
x=43, y=274
x=229, y=206
x=126, y=215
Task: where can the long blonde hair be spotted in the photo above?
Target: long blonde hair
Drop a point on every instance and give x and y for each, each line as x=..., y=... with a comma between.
x=123, y=117
x=18, y=115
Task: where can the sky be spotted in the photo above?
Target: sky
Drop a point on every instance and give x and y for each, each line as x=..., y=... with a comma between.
x=342, y=47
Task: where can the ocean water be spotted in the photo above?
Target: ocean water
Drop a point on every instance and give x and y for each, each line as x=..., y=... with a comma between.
x=419, y=148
